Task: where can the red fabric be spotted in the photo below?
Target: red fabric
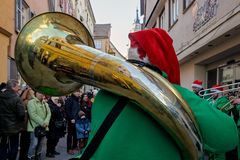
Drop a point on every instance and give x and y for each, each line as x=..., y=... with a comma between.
x=217, y=87
x=198, y=82
x=156, y=44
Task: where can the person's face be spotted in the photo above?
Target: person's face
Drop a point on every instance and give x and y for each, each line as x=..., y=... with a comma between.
x=16, y=88
x=195, y=89
x=77, y=93
x=85, y=97
x=30, y=94
x=55, y=100
x=39, y=96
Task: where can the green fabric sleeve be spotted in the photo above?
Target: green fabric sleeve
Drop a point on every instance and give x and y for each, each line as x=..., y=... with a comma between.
x=218, y=130
x=133, y=136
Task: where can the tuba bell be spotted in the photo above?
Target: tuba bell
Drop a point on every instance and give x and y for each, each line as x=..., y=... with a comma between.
x=54, y=54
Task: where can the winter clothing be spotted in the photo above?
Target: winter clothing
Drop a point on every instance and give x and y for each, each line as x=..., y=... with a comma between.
x=197, y=84
x=72, y=107
x=83, y=128
x=156, y=45
x=57, y=116
x=39, y=114
x=11, y=122
x=56, y=131
x=11, y=112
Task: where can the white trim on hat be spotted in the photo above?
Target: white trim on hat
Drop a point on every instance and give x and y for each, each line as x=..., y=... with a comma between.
x=215, y=90
x=197, y=85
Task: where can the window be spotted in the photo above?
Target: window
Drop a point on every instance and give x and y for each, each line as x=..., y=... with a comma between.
x=98, y=44
x=173, y=11
x=211, y=78
x=226, y=74
x=237, y=71
x=162, y=20
x=22, y=14
x=187, y=3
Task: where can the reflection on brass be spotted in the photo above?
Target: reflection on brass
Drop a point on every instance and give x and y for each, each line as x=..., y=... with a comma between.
x=54, y=55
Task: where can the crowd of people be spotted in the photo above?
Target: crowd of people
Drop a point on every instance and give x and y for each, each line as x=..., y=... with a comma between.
x=27, y=118
x=223, y=97
x=33, y=116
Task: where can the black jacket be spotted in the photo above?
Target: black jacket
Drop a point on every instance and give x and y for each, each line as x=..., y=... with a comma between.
x=72, y=107
x=11, y=112
x=57, y=116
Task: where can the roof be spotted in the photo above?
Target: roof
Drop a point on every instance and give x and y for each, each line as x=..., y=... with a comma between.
x=102, y=30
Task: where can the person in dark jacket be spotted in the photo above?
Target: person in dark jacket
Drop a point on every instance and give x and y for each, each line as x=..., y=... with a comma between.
x=11, y=120
x=26, y=95
x=57, y=126
x=86, y=105
x=72, y=107
x=2, y=86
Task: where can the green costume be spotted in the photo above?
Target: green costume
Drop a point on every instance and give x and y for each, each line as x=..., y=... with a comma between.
x=222, y=102
x=135, y=135
x=238, y=125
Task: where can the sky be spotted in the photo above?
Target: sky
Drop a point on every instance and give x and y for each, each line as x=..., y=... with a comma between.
x=121, y=14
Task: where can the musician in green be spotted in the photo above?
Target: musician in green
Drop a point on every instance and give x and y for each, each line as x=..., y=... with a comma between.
x=135, y=135
x=219, y=100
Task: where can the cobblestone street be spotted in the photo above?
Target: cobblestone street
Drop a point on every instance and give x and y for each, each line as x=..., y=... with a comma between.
x=61, y=148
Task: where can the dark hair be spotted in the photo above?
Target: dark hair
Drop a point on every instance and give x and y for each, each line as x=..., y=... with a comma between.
x=2, y=85
x=11, y=83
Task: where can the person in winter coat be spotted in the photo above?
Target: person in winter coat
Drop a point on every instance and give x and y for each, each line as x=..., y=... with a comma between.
x=26, y=96
x=11, y=120
x=83, y=128
x=39, y=115
x=72, y=107
x=57, y=126
x=86, y=106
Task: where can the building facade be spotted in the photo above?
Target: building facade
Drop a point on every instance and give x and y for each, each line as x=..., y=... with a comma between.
x=206, y=37
x=13, y=15
x=80, y=9
x=102, y=33
x=115, y=51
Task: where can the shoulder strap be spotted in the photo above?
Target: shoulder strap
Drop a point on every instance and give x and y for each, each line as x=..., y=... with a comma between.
x=103, y=129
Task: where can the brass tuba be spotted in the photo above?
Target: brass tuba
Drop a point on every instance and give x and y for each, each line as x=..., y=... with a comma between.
x=54, y=55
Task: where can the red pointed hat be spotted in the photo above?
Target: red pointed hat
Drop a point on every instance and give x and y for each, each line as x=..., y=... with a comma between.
x=156, y=44
x=216, y=88
x=197, y=83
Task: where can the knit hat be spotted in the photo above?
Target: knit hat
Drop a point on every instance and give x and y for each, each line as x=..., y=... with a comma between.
x=197, y=84
x=216, y=88
x=156, y=45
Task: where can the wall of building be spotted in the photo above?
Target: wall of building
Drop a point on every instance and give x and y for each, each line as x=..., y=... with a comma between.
x=6, y=23
x=213, y=57
x=187, y=70
x=4, y=41
x=183, y=31
x=205, y=35
x=34, y=7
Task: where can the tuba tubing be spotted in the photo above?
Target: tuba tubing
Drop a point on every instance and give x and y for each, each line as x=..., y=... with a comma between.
x=54, y=54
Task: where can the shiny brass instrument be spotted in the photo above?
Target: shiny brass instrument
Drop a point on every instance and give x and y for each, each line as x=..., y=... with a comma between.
x=54, y=55
x=233, y=87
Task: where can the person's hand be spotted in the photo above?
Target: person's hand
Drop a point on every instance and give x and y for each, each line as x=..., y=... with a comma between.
x=73, y=121
x=236, y=101
x=45, y=125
